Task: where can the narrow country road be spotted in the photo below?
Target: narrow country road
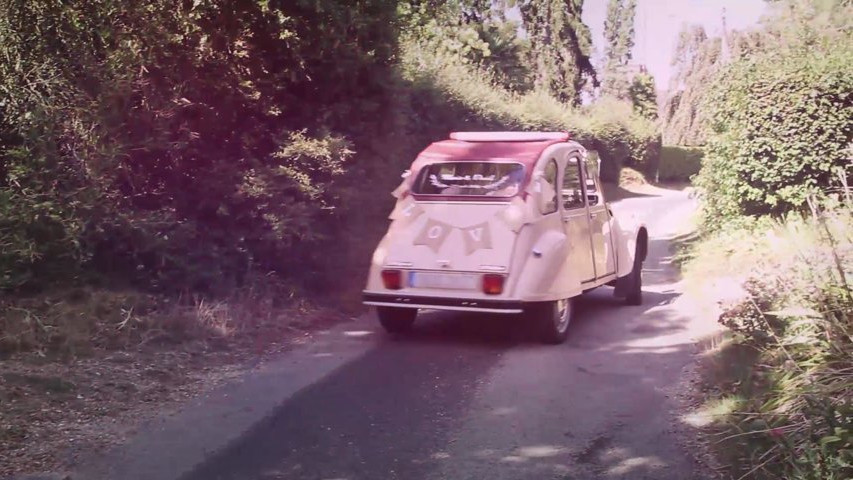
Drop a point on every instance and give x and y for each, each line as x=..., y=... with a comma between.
x=462, y=397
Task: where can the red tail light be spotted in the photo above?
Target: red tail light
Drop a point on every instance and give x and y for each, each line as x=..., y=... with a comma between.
x=493, y=284
x=392, y=279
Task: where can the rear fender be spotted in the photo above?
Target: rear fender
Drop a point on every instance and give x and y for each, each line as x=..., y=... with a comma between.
x=632, y=240
x=542, y=277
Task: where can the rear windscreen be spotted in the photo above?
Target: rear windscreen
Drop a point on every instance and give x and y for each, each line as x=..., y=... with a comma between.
x=470, y=179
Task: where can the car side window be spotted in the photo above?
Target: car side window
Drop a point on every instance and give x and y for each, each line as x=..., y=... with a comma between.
x=550, y=176
x=591, y=185
x=572, y=191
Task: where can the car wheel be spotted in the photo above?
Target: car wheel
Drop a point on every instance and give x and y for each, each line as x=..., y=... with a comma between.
x=554, y=318
x=396, y=320
x=635, y=283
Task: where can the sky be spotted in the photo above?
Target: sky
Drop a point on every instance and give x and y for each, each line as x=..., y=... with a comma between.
x=658, y=22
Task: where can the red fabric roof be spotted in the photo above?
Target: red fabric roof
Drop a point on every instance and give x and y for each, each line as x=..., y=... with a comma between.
x=523, y=152
x=454, y=150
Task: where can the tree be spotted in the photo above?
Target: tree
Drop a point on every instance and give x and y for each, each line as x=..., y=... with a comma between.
x=619, y=40
x=182, y=144
x=695, y=63
x=644, y=95
x=471, y=31
x=560, y=46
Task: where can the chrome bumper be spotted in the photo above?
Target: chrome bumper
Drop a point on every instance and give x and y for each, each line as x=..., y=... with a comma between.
x=442, y=303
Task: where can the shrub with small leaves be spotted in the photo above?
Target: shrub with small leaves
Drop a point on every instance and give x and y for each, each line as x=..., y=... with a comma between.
x=782, y=127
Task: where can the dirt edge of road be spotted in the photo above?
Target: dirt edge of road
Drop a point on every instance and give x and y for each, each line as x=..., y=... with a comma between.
x=58, y=414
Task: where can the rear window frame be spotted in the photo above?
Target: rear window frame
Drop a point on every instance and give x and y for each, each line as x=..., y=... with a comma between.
x=438, y=197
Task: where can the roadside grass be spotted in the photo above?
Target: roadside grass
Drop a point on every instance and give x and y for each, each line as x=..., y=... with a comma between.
x=79, y=322
x=80, y=366
x=780, y=387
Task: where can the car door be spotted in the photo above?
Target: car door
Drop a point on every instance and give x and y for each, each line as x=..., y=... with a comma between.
x=599, y=218
x=576, y=220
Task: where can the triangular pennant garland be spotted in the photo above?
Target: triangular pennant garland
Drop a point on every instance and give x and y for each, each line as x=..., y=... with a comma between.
x=477, y=237
x=433, y=234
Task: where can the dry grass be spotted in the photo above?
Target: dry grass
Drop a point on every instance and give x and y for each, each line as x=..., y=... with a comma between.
x=788, y=372
x=82, y=366
x=630, y=177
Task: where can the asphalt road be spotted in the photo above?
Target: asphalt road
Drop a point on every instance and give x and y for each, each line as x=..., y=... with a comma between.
x=466, y=397
x=476, y=397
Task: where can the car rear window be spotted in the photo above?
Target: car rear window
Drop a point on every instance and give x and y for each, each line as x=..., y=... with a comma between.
x=470, y=178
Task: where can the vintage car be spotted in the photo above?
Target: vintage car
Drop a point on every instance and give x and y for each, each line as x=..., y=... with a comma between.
x=503, y=223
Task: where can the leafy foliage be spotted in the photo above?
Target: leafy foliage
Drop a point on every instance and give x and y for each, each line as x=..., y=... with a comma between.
x=473, y=32
x=609, y=126
x=782, y=127
x=643, y=95
x=619, y=39
x=560, y=46
x=679, y=163
x=138, y=142
x=696, y=61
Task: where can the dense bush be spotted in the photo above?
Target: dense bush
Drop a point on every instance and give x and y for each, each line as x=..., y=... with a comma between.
x=679, y=163
x=185, y=145
x=644, y=96
x=782, y=129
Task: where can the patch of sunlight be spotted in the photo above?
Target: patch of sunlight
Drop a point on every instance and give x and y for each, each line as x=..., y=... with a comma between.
x=323, y=354
x=540, y=451
x=659, y=351
x=680, y=339
x=626, y=466
x=501, y=411
x=358, y=333
x=440, y=456
x=615, y=454
x=715, y=344
x=514, y=459
x=712, y=411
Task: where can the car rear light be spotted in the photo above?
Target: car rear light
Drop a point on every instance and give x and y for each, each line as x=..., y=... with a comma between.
x=493, y=284
x=392, y=279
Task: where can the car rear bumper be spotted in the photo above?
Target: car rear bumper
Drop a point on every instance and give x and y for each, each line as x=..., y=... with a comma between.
x=443, y=303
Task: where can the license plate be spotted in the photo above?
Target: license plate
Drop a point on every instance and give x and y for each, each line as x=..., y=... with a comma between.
x=454, y=281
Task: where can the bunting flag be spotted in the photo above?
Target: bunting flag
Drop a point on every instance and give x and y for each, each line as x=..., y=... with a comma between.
x=433, y=234
x=477, y=237
x=403, y=187
x=513, y=216
x=406, y=209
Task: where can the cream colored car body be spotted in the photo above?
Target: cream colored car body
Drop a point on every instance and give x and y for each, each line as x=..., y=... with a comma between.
x=543, y=256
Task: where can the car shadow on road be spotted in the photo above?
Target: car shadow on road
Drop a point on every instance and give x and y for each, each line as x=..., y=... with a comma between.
x=394, y=409
x=596, y=407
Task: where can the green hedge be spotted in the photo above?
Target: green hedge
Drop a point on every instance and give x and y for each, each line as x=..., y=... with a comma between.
x=609, y=126
x=679, y=164
x=782, y=126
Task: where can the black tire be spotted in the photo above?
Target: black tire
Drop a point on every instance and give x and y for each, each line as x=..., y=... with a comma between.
x=396, y=320
x=553, y=319
x=635, y=283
